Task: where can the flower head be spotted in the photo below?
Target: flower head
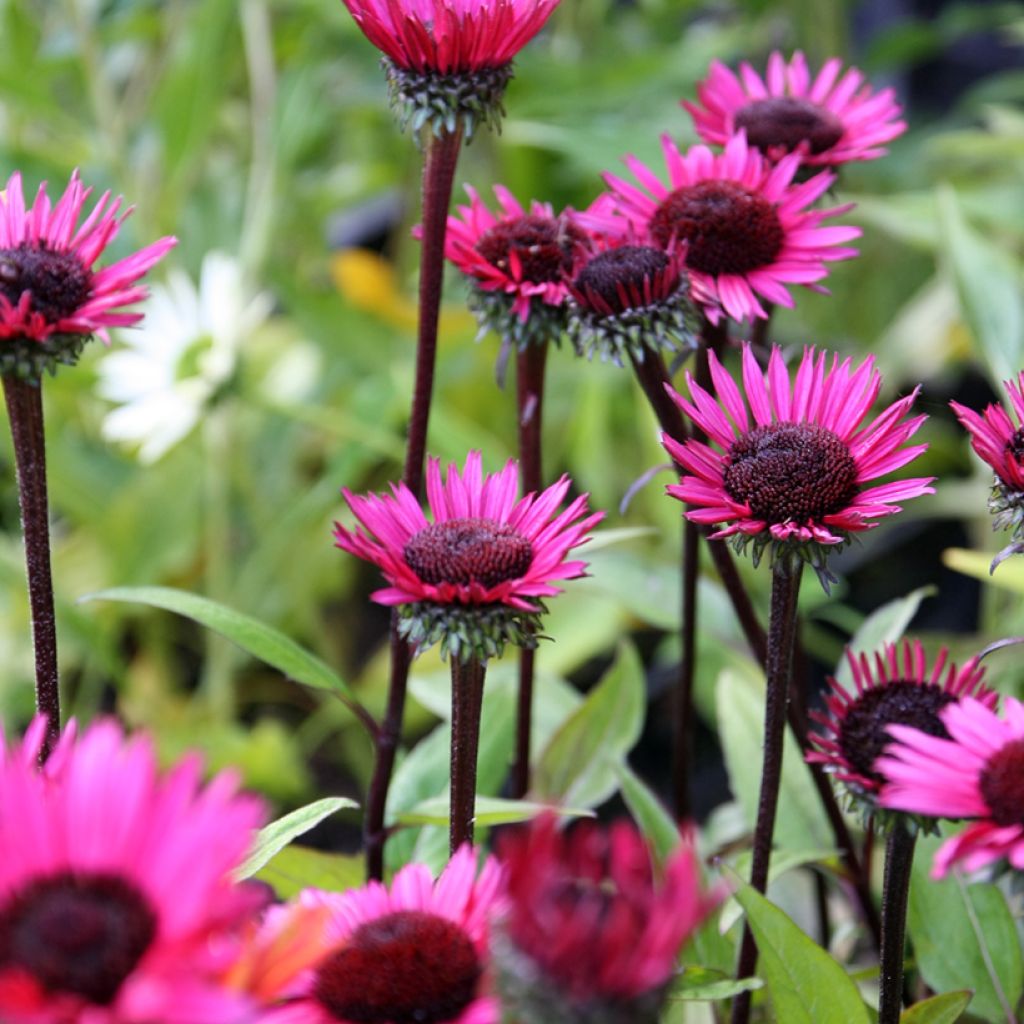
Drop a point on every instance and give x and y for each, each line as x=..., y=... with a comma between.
x=976, y=771
x=417, y=951
x=591, y=932
x=180, y=359
x=895, y=688
x=100, y=855
x=1000, y=442
x=52, y=297
x=831, y=119
x=791, y=474
x=516, y=261
x=448, y=61
x=474, y=578
x=747, y=227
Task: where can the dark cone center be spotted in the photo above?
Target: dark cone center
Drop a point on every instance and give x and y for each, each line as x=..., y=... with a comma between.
x=862, y=733
x=1015, y=446
x=545, y=246
x=1002, y=784
x=59, y=283
x=787, y=122
x=408, y=967
x=728, y=229
x=624, y=278
x=791, y=472
x=77, y=934
x=468, y=551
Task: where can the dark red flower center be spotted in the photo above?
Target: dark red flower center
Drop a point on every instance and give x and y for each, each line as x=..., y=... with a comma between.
x=468, y=551
x=862, y=733
x=1002, y=784
x=408, y=967
x=545, y=246
x=77, y=934
x=1015, y=446
x=625, y=278
x=728, y=228
x=785, y=121
x=57, y=280
x=791, y=472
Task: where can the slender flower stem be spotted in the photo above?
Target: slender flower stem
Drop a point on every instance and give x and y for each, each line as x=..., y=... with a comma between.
x=442, y=152
x=530, y=365
x=25, y=412
x=467, y=705
x=779, y=667
x=899, y=859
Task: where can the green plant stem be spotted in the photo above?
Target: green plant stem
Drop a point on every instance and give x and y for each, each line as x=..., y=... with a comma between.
x=778, y=669
x=25, y=411
x=899, y=859
x=467, y=706
x=530, y=365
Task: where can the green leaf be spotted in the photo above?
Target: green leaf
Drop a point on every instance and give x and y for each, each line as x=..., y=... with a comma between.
x=254, y=637
x=944, y=1009
x=885, y=625
x=298, y=867
x=942, y=919
x=1009, y=575
x=580, y=764
x=988, y=283
x=649, y=813
x=278, y=834
x=807, y=986
x=490, y=810
x=699, y=984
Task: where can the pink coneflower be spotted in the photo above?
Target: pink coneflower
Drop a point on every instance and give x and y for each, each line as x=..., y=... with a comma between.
x=485, y=551
x=450, y=59
x=747, y=228
x=978, y=772
x=793, y=477
x=591, y=931
x=895, y=688
x=1000, y=442
x=51, y=296
x=417, y=951
x=116, y=902
x=832, y=119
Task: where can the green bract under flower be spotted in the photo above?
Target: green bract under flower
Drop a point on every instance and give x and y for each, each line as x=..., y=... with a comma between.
x=477, y=632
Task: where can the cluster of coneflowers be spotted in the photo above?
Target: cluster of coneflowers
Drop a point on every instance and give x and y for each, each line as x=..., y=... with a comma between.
x=123, y=897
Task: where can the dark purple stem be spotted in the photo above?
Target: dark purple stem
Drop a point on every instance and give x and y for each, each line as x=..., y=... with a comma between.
x=530, y=364
x=25, y=412
x=778, y=669
x=899, y=859
x=467, y=705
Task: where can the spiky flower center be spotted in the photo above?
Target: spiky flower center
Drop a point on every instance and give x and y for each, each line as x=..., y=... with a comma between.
x=862, y=733
x=77, y=934
x=791, y=472
x=623, y=278
x=468, y=550
x=58, y=282
x=407, y=967
x=544, y=246
x=1015, y=446
x=728, y=229
x=1002, y=784
x=787, y=122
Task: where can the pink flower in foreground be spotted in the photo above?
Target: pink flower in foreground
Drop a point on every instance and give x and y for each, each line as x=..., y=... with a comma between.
x=1000, y=442
x=417, y=951
x=450, y=36
x=793, y=471
x=49, y=286
x=897, y=687
x=748, y=229
x=589, y=924
x=116, y=901
x=978, y=772
x=831, y=119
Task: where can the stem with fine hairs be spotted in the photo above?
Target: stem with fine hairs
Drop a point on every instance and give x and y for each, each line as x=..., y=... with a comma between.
x=467, y=705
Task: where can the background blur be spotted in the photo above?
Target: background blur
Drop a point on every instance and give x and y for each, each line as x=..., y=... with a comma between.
x=259, y=129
